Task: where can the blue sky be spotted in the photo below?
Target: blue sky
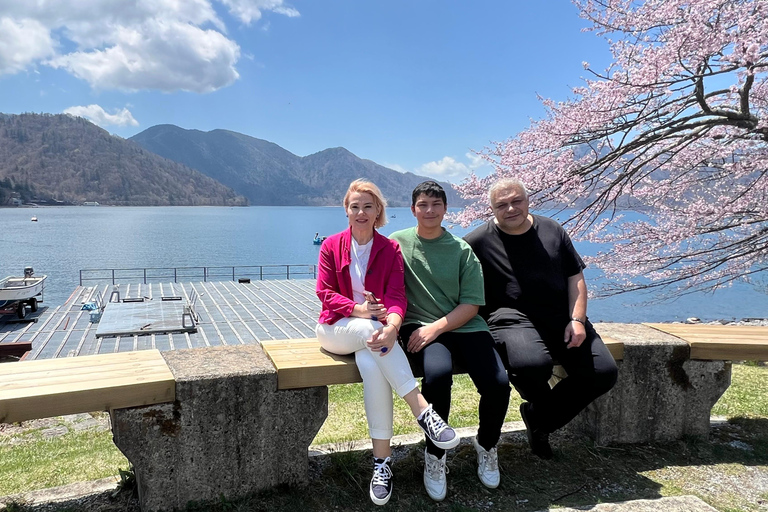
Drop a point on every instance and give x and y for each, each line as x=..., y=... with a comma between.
x=411, y=85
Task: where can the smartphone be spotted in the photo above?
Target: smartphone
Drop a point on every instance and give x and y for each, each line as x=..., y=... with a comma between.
x=370, y=297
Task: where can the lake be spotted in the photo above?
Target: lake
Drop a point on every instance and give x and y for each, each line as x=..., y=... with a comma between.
x=67, y=239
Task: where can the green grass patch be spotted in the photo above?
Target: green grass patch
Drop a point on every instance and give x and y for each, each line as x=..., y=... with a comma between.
x=747, y=396
x=38, y=463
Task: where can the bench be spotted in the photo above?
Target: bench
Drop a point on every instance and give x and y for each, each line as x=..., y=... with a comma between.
x=202, y=423
x=301, y=363
x=53, y=387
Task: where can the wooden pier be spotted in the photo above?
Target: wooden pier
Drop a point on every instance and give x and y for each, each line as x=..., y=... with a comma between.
x=230, y=313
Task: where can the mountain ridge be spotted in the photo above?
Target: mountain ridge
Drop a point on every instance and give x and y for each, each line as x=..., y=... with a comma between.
x=268, y=174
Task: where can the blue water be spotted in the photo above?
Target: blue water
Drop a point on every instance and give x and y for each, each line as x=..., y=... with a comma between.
x=67, y=239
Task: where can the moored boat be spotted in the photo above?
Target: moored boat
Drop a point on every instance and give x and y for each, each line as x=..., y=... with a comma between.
x=18, y=292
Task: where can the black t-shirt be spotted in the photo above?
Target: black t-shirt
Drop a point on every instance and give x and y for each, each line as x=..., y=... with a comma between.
x=528, y=272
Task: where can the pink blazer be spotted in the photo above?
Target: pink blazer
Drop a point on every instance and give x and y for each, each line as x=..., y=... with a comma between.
x=384, y=277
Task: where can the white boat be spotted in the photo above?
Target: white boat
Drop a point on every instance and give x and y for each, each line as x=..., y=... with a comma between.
x=34, y=219
x=16, y=293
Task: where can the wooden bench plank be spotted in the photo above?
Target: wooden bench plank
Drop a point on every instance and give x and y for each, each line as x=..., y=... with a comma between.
x=76, y=363
x=615, y=347
x=299, y=372
x=83, y=384
x=721, y=342
x=302, y=363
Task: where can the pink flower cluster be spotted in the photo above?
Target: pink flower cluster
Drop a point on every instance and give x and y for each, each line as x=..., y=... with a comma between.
x=676, y=127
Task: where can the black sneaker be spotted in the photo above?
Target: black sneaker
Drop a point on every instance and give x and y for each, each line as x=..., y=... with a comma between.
x=437, y=430
x=537, y=438
x=381, y=483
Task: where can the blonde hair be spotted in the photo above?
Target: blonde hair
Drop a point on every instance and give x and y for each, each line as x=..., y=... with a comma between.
x=367, y=187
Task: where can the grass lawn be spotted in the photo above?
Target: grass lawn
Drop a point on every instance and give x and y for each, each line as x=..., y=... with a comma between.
x=580, y=474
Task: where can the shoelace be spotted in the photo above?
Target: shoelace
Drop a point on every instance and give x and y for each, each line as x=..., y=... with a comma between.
x=434, y=468
x=435, y=424
x=490, y=460
x=382, y=473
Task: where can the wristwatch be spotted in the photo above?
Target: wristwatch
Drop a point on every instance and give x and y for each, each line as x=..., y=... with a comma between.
x=575, y=319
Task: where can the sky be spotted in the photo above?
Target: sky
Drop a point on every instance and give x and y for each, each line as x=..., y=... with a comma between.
x=418, y=85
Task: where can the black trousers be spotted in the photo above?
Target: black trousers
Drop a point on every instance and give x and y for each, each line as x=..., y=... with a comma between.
x=473, y=352
x=528, y=352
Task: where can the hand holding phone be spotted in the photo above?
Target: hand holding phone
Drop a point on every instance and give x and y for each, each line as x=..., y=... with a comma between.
x=378, y=312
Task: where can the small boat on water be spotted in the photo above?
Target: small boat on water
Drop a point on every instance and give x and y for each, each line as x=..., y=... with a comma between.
x=18, y=292
x=34, y=219
x=318, y=239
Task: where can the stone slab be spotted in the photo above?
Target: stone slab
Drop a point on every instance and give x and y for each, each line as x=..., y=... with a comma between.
x=671, y=504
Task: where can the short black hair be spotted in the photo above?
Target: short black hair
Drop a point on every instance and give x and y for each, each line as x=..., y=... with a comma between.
x=431, y=189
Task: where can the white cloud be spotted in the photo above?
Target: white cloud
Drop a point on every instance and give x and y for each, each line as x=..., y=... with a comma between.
x=158, y=55
x=395, y=167
x=450, y=169
x=22, y=42
x=99, y=116
x=166, y=45
x=250, y=10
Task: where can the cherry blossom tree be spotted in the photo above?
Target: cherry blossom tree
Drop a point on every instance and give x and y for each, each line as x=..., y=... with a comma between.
x=676, y=128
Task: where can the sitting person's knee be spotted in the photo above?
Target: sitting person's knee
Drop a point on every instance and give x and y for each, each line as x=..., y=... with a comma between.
x=438, y=379
x=532, y=372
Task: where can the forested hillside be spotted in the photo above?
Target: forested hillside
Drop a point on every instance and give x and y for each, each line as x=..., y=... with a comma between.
x=61, y=159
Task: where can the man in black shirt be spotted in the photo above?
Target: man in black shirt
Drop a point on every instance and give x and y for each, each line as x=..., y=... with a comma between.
x=536, y=308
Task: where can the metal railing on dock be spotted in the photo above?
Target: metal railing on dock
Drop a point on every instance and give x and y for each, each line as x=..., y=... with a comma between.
x=184, y=274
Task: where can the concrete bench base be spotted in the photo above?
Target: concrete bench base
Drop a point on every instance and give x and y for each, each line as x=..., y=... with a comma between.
x=228, y=433
x=661, y=394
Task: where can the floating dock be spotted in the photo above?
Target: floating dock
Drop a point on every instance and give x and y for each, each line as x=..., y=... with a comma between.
x=229, y=313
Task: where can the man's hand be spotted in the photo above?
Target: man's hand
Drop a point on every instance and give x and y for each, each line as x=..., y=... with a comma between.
x=575, y=334
x=422, y=337
x=383, y=340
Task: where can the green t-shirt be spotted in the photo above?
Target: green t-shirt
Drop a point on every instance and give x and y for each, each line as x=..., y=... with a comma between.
x=440, y=274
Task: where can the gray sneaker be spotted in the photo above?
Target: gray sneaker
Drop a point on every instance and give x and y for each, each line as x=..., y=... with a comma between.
x=381, y=484
x=487, y=465
x=441, y=435
x=434, y=476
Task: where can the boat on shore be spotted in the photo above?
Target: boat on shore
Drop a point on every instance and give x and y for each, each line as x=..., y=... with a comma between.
x=16, y=293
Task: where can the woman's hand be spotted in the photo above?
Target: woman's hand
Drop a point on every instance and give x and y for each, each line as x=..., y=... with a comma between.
x=372, y=310
x=383, y=339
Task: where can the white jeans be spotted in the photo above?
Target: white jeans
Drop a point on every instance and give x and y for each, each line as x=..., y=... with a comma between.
x=381, y=374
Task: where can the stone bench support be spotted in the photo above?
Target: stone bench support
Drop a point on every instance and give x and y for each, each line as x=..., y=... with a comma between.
x=661, y=395
x=228, y=433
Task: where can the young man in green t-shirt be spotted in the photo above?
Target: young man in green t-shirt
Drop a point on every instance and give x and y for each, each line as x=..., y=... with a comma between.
x=444, y=286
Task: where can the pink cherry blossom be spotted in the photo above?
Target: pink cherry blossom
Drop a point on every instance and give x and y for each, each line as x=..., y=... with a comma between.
x=675, y=127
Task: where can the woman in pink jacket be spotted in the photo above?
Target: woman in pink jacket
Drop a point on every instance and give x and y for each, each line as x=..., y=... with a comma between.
x=361, y=287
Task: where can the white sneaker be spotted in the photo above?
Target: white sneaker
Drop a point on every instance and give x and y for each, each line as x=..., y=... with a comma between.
x=434, y=476
x=487, y=465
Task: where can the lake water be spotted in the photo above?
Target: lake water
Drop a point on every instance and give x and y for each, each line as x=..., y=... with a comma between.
x=67, y=239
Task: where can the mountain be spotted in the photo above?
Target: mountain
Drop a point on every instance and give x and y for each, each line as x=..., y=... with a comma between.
x=267, y=174
x=62, y=159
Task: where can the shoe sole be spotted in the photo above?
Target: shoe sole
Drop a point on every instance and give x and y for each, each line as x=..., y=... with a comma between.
x=377, y=501
x=444, y=445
